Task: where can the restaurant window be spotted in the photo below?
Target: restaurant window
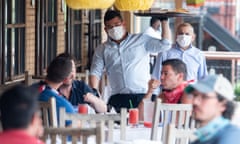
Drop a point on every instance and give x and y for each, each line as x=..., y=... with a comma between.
x=12, y=40
x=94, y=33
x=74, y=34
x=83, y=31
x=46, y=34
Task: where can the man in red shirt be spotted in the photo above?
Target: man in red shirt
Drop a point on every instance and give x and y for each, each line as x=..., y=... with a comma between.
x=173, y=81
x=20, y=116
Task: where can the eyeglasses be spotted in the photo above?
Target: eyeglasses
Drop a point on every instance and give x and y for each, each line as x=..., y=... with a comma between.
x=182, y=33
x=114, y=25
x=202, y=97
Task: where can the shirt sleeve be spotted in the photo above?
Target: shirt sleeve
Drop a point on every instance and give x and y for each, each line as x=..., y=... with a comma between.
x=98, y=62
x=202, y=71
x=230, y=137
x=156, y=74
x=155, y=45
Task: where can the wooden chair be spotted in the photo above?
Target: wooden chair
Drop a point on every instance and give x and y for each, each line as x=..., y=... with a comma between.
x=49, y=112
x=94, y=119
x=179, y=136
x=178, y=114
x=30, y=79
x=74, y=133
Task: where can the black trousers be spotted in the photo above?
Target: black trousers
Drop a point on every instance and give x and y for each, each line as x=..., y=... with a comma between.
x=119, y=101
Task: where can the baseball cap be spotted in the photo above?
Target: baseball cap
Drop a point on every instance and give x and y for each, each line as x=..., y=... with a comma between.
x=216, y=83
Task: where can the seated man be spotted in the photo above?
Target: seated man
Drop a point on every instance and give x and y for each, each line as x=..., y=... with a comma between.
x=58, y=71
x=213, y=108
x=20, y=117
x=78, y=92
x=173, y=82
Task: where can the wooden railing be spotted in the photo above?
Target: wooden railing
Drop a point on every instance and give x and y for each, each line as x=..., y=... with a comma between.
x=233, y=57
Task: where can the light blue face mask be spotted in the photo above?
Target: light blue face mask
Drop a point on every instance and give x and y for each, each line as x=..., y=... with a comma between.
x=210, y=130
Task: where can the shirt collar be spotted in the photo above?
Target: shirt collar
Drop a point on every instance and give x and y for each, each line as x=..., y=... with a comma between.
x=188, y=49
x=211, y=129
x=74, y=85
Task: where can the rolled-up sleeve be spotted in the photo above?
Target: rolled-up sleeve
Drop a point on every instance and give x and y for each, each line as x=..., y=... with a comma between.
x=97, y=62
x=156, y=74
x=155, y=45
x=202, y=71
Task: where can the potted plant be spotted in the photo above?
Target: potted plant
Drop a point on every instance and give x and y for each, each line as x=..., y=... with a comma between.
x=236, y=116
x=237, y=91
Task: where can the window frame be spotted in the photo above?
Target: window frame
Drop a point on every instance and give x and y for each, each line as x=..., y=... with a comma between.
x=46, y=45
x=12, y=40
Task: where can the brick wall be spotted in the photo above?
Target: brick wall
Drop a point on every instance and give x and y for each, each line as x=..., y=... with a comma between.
x=30, y=37
x=60, y=28
x=227, y=13
x=84, y=38
x=30, y=34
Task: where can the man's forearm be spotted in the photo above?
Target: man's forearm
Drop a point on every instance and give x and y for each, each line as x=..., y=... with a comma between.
x=166, y=32
x=94, y=82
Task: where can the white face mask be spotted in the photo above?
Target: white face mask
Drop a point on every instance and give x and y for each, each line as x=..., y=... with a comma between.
x=184, y=40
x=116, y=33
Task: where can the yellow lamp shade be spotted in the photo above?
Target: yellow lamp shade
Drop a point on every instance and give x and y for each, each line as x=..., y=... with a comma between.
x=89, y=4
x=128, y=5
x=196, y=3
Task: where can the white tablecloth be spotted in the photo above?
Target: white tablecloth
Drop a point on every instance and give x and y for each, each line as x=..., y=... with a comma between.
x=139, y=132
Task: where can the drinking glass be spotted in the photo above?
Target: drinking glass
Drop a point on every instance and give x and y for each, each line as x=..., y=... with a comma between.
x=82, y=108
x=133, y=117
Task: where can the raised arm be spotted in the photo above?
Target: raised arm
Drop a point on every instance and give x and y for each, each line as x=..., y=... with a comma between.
x=152, y=85
x=166, y=32
x=156, y=45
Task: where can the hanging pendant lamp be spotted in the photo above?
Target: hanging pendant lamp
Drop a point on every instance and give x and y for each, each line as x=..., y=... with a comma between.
x=131, y=5
x=196, y=3
x=89, y=4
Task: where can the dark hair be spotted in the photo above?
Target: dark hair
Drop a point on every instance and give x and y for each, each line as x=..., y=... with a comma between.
x=177, y=65
x=110, y=14
x=230, y=106
x=17, y=106
x=153, y=20
x=59, y=69
x=67, y=56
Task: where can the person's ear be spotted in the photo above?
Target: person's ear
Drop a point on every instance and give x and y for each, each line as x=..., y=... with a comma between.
x=35, y=119
x=124, y=23
x=223, y=105
x=180, y=76
x=105, y=29
x=193, y=37
x=37, y=127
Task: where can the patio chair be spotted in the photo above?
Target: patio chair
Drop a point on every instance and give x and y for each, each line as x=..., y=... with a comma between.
x=65, y=135
x=164, y=114
x=93, y=119
x=49, y=112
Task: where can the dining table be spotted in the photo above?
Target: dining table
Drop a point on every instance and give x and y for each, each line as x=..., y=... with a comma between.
x=134, y=135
